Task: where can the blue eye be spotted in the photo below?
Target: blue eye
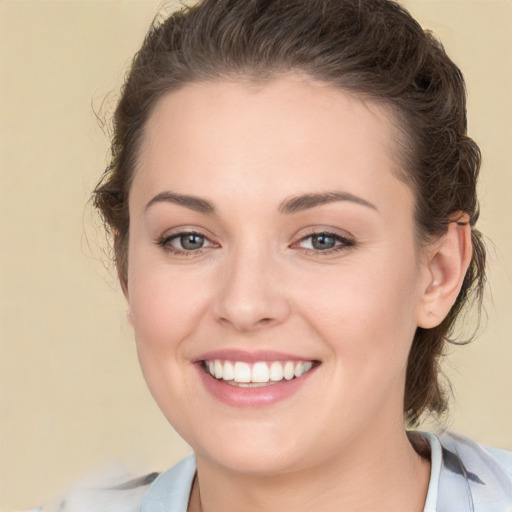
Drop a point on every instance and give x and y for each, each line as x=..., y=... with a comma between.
x=189, y=241
x=325, y=242
x=185, y=243
x=322, y=242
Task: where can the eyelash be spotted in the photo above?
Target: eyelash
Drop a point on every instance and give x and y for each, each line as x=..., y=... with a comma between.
x=165, y=243
x=342, y=243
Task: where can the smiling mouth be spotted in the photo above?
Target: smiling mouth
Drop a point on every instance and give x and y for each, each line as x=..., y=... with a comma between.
x=258, y=374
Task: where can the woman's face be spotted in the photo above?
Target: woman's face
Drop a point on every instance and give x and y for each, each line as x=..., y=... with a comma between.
x=269, y=235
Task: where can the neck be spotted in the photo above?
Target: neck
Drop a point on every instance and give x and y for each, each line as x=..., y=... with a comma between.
x=375, y=473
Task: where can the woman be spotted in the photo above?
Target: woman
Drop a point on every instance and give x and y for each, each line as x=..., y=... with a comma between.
x=292, y=203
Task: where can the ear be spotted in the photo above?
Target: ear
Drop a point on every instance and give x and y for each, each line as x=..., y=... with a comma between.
x=445, y=265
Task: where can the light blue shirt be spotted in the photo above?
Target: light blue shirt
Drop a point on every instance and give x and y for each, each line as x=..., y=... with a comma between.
x=465, y=477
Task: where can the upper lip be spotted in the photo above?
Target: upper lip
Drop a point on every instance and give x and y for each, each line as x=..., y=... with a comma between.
x=249, y=357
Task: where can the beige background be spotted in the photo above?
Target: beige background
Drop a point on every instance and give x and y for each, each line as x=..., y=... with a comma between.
x=72, y=397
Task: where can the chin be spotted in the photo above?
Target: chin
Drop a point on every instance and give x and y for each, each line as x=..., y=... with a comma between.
x=258, y=450
x=254, y=461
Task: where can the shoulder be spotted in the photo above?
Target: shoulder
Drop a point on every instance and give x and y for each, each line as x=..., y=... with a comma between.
x=478, y=455
x=116, y=492
x=112, y=493
x=473, y=476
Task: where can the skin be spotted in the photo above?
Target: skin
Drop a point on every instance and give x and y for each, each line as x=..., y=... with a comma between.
x=257, y=284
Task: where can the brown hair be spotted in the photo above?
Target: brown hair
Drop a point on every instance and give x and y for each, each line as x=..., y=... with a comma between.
x=370, y=47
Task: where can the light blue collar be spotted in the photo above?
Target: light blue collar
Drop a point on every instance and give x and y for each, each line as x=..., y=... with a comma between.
x=170, y=492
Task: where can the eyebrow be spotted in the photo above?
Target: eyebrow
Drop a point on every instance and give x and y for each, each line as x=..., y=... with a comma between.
x=307, y=201
x=191, y=202
x=287, y=207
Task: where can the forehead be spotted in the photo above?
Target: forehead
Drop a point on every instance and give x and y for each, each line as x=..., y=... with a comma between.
x=299, y=133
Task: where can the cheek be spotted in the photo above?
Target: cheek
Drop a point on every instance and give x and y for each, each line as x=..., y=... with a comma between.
x=164, y=304
x=365, y=310
x=165, y=307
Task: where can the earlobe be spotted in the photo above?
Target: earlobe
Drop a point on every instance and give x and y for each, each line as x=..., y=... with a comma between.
x=446, y=264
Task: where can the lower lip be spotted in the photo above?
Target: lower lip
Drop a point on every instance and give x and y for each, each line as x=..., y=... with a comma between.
x=261, y=396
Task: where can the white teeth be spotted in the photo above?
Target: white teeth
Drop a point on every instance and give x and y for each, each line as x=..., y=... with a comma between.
x=260, y=373
x=242, y=372
x=228, y=372
x=276, y=371
x=289, y=370
x=299, y=369
x=218, y=369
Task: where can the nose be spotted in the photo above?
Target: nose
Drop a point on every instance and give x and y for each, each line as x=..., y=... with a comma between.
x=251, y=295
